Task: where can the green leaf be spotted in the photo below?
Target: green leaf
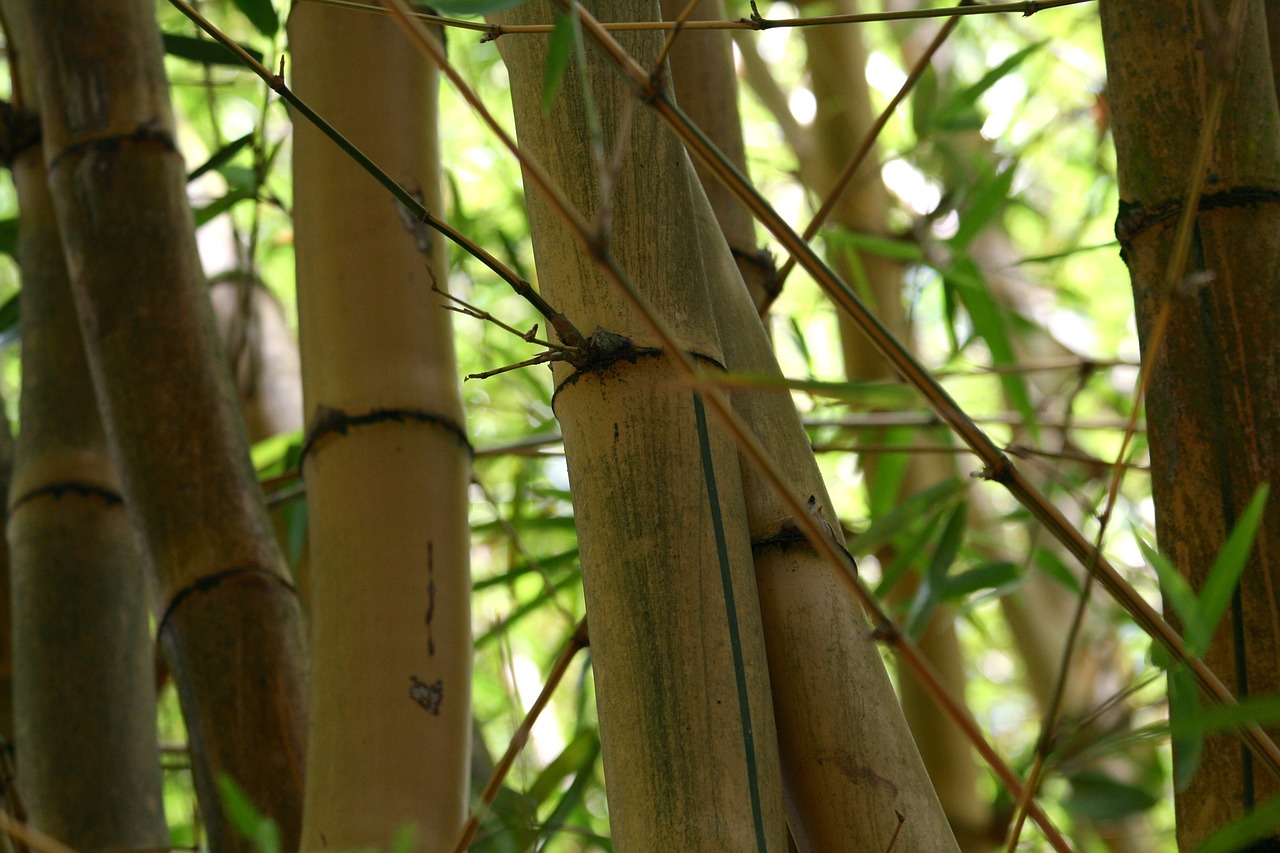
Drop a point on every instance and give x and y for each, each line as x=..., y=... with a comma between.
x=580, y=754
x=1097, y=796
x=245, y=818
x=801, y=343
x=996, y=575
x=220, y=206
x=1224, y=574
x=558, y=52
x=405, y=840
x=885, y=487
x=9, y=236
x=871, y=244
x=204, y=51
x=262, y=14
x=534, y=605
x=1067, y=253
x=989, y=323
x=1262, y=710
x=924, y=103
x=907, y=553
x=915, y=508
x=958, y=112
x=929, y=593
x=1048, y=561
x=985, y=202
x=1258, y=825
x=1184, y=702
x=474, y=7
x=221, y=157
x=510, y=826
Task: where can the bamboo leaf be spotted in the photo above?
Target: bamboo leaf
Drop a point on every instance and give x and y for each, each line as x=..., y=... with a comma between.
x=1184, y=703
x=1262, y=710
x=907, y=553
x=219, y=206
x=252, y=824
x=221, y=157
x=523, y=610
x=1257, y=825
x=929, y=593
x=959, y=111
x=887, y=247
x=559, y=50
x=9, y=236
x=986, y=201
x=262, y=14
x=1067, y=253
x=891, y=470
x=1177, y=592
x=578, y=755
x=1224, y=574
x=989, y=322
x=997, y=575
x=510, y=826
x=405, y=839
x=920, y=505
x=1098, y=796
x=204, y=51
x=582, y=777
x=1055, y=567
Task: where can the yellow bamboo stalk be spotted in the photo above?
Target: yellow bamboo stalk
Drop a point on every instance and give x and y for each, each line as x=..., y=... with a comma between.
x=387, y=462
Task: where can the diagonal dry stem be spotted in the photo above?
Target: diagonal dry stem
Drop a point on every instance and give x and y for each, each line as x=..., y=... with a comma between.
x=577, y=642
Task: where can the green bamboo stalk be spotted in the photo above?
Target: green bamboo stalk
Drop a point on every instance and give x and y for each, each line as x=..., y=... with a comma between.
x=672, y=715
x=228, y=620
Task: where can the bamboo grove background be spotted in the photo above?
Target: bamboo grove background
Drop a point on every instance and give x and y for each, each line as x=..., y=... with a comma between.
x=981, y=230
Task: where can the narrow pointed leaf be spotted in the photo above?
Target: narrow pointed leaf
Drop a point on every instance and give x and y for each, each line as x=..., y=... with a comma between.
x=221, y=157
x=960, y=105
x=204, y=51
x=1224, y=575
x=262, y=14
x=1177, y=593
x=559, y=50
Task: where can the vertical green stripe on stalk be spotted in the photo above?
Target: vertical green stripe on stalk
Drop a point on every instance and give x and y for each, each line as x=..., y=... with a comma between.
x=731, y=615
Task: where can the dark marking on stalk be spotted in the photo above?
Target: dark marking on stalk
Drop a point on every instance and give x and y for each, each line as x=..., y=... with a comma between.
x=1136, y=217
x=606, y=349
x=85, y=490
x=332, y=421
x=212, y=580
x=144, y=134
x=429, y=696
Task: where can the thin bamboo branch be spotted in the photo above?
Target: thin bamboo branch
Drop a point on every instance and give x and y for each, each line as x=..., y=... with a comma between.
x=577, y=642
